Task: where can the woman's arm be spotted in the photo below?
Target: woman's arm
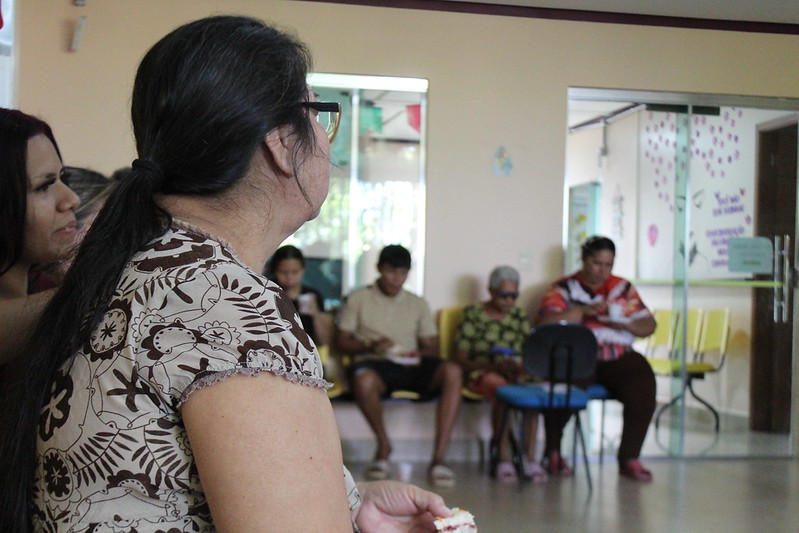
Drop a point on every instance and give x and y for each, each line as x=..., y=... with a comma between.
x=641, y=327
x=312, y=312
x=322, y=326
x=469, y=365
x=574, y=314
x=268, y=455
x=428, y=346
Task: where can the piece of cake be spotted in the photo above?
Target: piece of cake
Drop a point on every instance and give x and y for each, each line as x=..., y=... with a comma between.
x=461, y=521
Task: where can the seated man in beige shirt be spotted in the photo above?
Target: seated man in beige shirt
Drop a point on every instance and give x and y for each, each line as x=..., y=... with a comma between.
x=393, y=340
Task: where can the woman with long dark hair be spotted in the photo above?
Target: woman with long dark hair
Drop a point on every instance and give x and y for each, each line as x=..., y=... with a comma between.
x=36, y=214
x=287, y=269
x=169, y=386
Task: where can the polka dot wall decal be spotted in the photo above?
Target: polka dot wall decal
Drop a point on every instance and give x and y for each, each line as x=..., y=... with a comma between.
x=714, y=140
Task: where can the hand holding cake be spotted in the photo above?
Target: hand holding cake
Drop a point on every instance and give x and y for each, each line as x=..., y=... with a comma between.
x=394, y=507
x=461, y=521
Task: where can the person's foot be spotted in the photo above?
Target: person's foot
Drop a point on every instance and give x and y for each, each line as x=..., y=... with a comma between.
x=534, y=471
x=441, y=476
x=633, y=469
x=505, y=472
x=556, y=465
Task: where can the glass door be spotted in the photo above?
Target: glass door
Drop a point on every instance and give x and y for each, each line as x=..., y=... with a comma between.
x=711, y=206
x=7, y=96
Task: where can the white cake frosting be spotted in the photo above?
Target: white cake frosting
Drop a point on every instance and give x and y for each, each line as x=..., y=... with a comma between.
x=461, y=521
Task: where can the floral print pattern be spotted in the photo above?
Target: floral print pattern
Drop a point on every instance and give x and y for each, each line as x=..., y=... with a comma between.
x=478, y=333
x=113, y=454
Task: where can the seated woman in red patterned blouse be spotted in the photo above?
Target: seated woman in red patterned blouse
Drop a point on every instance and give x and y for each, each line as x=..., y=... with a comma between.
x=611, y=307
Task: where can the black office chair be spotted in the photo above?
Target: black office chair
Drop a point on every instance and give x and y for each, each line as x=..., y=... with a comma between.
x=559, y=354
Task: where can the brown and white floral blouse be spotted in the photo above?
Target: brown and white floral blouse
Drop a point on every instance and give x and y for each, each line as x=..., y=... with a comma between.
x=113, y=454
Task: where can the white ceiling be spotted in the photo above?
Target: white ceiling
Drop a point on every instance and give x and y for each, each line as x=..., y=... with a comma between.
x=779, y=11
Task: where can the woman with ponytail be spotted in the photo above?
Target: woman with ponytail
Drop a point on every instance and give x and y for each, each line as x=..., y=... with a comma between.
x=170, y=386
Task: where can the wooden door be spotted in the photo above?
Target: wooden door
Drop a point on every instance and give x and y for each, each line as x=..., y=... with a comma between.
x=772, y=342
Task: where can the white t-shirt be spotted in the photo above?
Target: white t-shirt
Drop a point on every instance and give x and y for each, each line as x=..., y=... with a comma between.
x=404, y=318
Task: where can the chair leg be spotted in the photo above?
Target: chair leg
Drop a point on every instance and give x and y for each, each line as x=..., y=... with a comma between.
x=516, y=450
x=493, y=450
x=483, y=449
x=578, y=435
x=669, y=405
x=576, y=417
x=602, y=435
x=703, y=402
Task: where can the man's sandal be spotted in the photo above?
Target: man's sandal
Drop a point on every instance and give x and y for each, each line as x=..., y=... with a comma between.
x=535, y=472
x=441, y=476
x=378, y=470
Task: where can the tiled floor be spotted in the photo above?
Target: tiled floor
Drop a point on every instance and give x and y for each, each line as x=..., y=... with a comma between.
x=734, y=440
x=686, y=496
x=730, y=482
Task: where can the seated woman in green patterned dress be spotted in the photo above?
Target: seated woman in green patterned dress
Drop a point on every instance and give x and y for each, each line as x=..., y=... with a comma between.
x=488, y=344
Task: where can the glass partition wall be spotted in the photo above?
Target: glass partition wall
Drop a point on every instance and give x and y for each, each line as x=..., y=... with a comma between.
x=7, y=74
x=699, y=194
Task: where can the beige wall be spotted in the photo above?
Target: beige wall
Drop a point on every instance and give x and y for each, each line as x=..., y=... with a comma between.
x=494, y=81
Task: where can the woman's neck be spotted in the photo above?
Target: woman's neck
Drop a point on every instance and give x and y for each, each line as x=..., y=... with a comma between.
x=14, y=283
x=585, y=281
x=249, y=238
x=492, y=311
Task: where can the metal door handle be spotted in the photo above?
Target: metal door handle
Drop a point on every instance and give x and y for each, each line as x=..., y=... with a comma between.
x=786, y=275
x=777, y=291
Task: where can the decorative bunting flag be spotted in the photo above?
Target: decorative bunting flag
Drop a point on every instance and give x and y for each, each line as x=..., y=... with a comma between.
x=415, y=116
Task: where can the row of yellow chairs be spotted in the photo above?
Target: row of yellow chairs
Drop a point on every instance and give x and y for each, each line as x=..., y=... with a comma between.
x=706, y=337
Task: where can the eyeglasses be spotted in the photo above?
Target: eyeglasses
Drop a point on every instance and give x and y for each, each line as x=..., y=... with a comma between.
x=502, y=295
x=328, y=114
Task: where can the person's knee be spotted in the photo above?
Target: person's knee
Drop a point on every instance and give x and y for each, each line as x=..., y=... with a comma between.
x=366, y=381
x=451, y=372
x=488, y=384
x=493, y=380
x=640, y=400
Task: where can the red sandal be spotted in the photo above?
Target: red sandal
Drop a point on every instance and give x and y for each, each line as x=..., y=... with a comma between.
x=556, y=465
x=634, y=470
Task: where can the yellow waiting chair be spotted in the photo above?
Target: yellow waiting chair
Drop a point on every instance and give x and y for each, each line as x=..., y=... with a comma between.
x=664, y=332
x=664, y=366
x=449, y=320
x=708, y=358
x=333, y=371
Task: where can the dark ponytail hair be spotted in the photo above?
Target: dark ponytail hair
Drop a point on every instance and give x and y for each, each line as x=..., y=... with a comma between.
x=16, y=128
x=204, y=98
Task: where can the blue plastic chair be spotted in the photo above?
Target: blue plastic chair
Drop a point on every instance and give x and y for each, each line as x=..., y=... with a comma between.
x=559, y=354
